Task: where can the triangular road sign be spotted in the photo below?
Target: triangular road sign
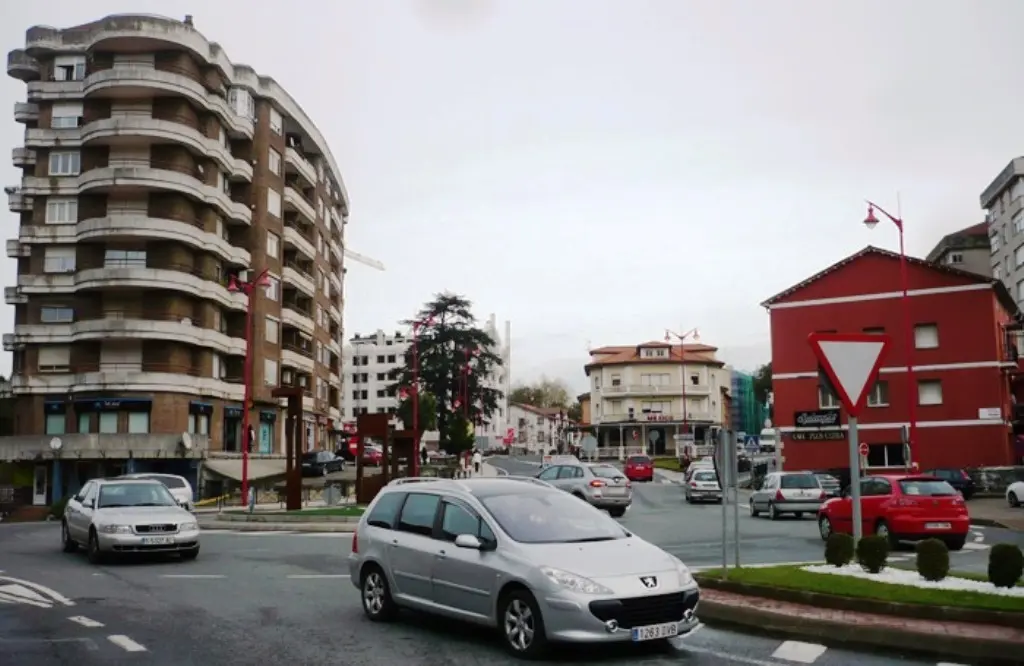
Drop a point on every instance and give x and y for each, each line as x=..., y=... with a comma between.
x=851, y=361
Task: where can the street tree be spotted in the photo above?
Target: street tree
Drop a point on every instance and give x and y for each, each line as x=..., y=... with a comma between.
x=575, y=412
x=543, y=393
x=454, y=357
x=763, y=382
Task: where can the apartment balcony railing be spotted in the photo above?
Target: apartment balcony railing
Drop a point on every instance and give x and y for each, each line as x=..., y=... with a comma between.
x=654, y=419
x=653, y=389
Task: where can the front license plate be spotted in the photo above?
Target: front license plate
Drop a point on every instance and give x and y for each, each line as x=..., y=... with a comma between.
x=655, y=631
x=937, y=526
x=156, y=541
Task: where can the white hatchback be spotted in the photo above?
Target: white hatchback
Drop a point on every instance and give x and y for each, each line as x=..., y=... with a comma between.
x=1015, y=494
x=179, y=487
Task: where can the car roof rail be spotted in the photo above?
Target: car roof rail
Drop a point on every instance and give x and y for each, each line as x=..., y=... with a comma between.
x=528, y=479
x=426, y=479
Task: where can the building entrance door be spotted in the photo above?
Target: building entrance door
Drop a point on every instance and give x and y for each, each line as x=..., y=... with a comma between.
x=39, y=486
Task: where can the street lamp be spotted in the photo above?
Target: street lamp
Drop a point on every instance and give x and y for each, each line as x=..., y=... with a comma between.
x=871, y=221
x=416, y=326
x=695, y=335
x=238, y=286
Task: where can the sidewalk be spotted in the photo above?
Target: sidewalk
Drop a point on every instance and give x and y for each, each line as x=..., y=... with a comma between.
x=995, y=512
x=941, y=638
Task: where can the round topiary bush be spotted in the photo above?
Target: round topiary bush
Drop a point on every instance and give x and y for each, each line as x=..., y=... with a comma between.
x=839, y=549
x=872, y=553
x=1005, y=564
x=932, y=559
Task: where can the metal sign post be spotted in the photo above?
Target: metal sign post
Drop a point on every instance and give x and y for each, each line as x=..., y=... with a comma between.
x=850, y=365
x=734, y=468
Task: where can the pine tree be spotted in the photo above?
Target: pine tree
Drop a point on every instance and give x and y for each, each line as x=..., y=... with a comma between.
x=449, y=342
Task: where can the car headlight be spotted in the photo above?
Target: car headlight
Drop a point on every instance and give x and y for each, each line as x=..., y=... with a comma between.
x=115, y=529
x=573, y=582
x=685, y=577
x=188, y=527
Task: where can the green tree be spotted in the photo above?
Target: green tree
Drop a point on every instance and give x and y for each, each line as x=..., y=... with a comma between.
x=449, y=342
x=427, y=415
x=575, y=412
x=543, y=393
x=763, y=382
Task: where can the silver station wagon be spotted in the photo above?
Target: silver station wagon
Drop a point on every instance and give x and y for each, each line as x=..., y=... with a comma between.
x=517, y=554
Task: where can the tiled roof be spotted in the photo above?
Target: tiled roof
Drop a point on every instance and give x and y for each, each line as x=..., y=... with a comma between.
x=630, y=355
x=549, y=412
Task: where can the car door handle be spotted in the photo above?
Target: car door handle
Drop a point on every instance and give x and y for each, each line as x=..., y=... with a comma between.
x=394, y=542
x=442, y=555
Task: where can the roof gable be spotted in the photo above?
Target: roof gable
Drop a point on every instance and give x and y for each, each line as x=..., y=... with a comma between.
x=630, y=355
x=843, y=278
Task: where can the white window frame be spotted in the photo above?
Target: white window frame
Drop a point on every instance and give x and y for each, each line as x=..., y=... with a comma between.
x=138, y=423
x=274, y=161
x=827, y=399
x=199, y=424
x=53, y=358
x=1018, y=256
x=995, y=242
x=69, y=68
x=955, y=258
x=273, y=288
x=270, y=377
x=997, y=272
x=272, y=331
x=276, y=121
x=107, y=423
x=274, y=202
x=1018, y=222
x=62, y=210
x=273, y=245
x=929, y=392
x=879, y=395
x=65, y=163
x=56, y=424
x=59, y=259
x=66, y=115
x=242, y=103
x=926, y=336
x=56, y=314
x=124, y=259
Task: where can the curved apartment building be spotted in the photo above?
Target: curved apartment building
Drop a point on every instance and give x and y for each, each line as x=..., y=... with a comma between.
x=156, y=171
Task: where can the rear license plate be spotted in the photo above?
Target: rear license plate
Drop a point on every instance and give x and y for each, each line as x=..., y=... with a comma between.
x=615, y=491
x=937, y=526
x=156, y=541
x=655, y=631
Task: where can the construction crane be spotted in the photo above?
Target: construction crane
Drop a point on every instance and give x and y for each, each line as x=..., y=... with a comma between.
x=366, y=261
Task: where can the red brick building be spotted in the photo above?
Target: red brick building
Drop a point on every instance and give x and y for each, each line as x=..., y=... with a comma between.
x=965, y=326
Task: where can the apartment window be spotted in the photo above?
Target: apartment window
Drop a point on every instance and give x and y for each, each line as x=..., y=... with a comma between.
x=272, y=328
x=926, y=336
x=242, y=103
x=274, y=162
x=391, y=358
x=1020, y=291
x=997, y=272
x=55, y=424
x=273, y=245
x=68, y=163
x=124, y=258
x=1018, y=256
x=138, y=423
x=929, y=392
x=954, y=258
x=319, y=207
x=69, y=68
x=199, y=424
x=616, y=380
x=320, y=243
x=380, y=359
x=61, y=210
x=276, y=121
x=59, y=260
x=108, y=423
x=56, y=314
x=319, y=320
x=1018, y=222
x=885, y=455
x=66, y=116
x=273, y=288
x=879, y=395
x=827, y=399
x=995, y=242
x=54, y=358
x=273, y=202
x=269, y=372
x=695, y=379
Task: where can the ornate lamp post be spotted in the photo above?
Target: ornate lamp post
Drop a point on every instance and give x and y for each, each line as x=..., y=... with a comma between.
x=695, y=335
x=416, y=326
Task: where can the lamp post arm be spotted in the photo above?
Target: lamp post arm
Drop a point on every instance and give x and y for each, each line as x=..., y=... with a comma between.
x=892, y=218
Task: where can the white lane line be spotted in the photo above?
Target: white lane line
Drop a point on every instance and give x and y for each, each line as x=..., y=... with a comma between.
x=801, y=653
x=85, y=621
x=199, y=576
x=125, y=643
x=317, y=576
x=948, y=663
x=42, y=589
x=726, y=656
x=975, y=546
x=978, y=538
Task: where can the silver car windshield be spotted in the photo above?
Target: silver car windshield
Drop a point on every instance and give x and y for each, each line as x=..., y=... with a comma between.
x=553, y=517
x=705, y=476
x=115, y=495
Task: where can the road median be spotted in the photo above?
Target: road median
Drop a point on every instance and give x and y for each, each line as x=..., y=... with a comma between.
x=262, y=526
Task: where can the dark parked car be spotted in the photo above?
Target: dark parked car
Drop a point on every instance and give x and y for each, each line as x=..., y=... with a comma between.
x=321, y=463
x=958, y=478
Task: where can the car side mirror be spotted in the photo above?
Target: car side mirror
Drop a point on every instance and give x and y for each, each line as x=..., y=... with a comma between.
x=469, y=541
x=91, y=504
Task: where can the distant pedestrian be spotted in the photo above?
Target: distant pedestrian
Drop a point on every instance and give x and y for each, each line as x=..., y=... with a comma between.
x=423, y=455
x=477, y=461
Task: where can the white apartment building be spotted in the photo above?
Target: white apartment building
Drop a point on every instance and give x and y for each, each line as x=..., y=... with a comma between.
x=369, y=361
x=538, y=429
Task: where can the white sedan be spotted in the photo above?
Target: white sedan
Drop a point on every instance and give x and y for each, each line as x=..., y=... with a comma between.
x=1015, y=494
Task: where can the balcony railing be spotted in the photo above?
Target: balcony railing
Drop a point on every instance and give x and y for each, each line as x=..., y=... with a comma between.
x=653, y=419
x=654, y=389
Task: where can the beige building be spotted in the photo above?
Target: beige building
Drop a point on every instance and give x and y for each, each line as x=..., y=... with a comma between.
x=638, y=394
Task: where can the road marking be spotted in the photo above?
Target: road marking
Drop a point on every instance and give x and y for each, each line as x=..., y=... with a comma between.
x=978, y=537
x=726, y=656
x=975, y=546
x=36, y=587
x=200, y=576
x=85, y=622
x=317, y=576
x=948, y=663
x=802, y=653
x=125, y=643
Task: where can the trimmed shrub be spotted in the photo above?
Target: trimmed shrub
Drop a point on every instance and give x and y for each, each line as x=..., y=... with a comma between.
x=872, y=553
x=1005, y=564
x=932, y=559
x=839, y=549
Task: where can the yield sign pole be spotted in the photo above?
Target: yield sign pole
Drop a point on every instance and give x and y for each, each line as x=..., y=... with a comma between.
x=851, y=362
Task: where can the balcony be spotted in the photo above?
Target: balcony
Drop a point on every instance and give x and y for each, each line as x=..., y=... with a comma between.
x=650, y=389
x=21, y=66
x=26, y=112
x=298, y=241
x=296, y=275
x=14, y=296
x=23, y=157
x=15, y=248
x=622, y=418
x=144, y=377
x=295, y=315
x=294, y=201
x=18, y=201
x=298, y=356
x=295, y=163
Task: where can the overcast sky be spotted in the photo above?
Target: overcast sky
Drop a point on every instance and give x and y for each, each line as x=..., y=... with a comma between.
x=595, y=170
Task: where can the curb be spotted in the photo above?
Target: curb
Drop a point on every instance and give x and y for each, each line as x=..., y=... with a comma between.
x=988, y=522
x=944, y=646
x=278, y=527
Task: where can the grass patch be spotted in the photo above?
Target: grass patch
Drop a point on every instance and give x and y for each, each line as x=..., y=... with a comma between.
x=350, y=511
x=795, y=578
x=668, y=463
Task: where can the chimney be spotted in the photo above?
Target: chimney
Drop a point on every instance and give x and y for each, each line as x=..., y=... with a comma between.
x=188, y=20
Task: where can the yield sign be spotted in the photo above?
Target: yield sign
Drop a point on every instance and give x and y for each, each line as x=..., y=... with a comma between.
x=851, y=362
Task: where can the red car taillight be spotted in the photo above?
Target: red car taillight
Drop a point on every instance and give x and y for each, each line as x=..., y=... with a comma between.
x=965, y=475
x=693, y=484
x=597, y=484
x=355, y=542
x=779, y=497
x=823, y=496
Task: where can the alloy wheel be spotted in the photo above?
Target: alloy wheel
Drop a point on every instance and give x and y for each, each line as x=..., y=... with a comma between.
x=373, y=593
x=519, y=625
x=825, y=528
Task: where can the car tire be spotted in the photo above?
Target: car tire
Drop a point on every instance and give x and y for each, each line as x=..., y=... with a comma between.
x=521, y=625
x=92, y=550
x=617, y=512
x=323, y=471
x=67, y=543
x=882, y=529
x=1013, y=499
x=689, y=500
x=754, y=513
x=824, y=528
x=375, y=593
x=190, y=554
x=579, y=496
x=773, y=513
x=956, y=543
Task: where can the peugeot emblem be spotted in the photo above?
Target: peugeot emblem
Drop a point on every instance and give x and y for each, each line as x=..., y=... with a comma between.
x=649, y=581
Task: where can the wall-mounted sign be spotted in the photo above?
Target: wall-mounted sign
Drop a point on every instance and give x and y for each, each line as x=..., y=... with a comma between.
x=990, y=413
x=655, y=418
x=819, y=418
x=819, y=436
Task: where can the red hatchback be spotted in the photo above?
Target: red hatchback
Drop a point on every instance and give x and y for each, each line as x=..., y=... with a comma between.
x=639, y=468
x=901, y=507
